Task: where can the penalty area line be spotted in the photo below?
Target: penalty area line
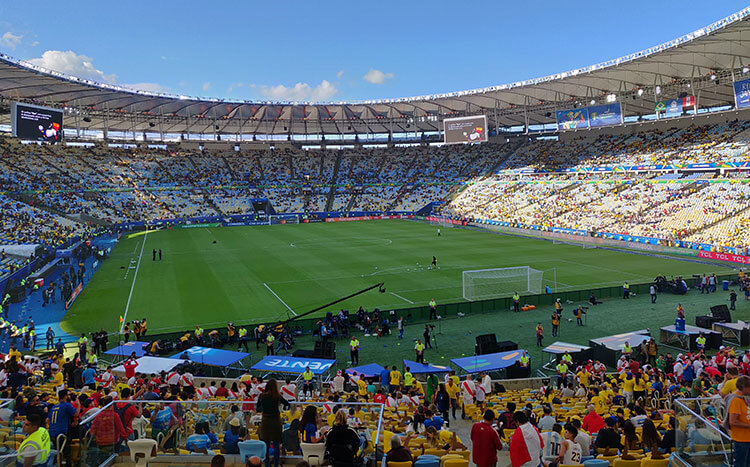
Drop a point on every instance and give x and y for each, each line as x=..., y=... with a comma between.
x=402, y=298
x=279, y=299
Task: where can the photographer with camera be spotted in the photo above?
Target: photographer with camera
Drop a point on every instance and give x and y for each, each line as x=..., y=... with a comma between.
x=579, y=312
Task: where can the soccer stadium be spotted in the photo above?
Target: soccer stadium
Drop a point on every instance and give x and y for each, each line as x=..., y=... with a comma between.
x=549, y=272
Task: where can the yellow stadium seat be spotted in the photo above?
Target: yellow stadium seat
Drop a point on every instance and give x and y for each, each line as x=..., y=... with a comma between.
x=400, y=464
x=436, y=452
x=464, y=454
x=646, y=462
x=625, y=463
x=609, y=459
x=455, y=463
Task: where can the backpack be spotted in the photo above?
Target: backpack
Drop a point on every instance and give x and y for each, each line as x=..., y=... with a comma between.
x=120, y=411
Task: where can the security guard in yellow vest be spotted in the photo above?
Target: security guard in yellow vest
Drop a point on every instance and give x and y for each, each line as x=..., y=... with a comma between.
x=199, y=334
x=25, y=334
x=32, y=339
x=92, y=360
x=562, y=374
x=433, y=309
x=700, y=342
x=307, y=377
x=83, y=346
x=627, y=349
x=625, y=290
x=419, y=347
x=523, y=360
x=567, y=359
x=354, y=350
x=242, y=333
x=516, y=302
x=269, y=343
x=34, y=449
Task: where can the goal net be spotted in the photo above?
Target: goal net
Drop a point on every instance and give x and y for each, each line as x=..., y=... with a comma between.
x=573, y=242
x=501, y=282
x=276, y=219
x=440, y=222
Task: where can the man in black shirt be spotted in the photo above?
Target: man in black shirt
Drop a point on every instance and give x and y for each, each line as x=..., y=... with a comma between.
x=608, y=438
x=668, y=441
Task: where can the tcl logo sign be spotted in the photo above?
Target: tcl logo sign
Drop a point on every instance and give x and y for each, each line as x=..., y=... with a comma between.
x=723, y=257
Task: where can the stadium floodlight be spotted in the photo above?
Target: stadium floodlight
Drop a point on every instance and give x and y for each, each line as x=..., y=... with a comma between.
x=640, y=92
x=611, y=98
x=713, y=76
x=658, y=90
x=593, y=101
x=745, y=69
x=484, y=284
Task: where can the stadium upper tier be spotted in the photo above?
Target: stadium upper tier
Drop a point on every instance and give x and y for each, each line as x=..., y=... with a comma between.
x=702, y=64
x=47, y=188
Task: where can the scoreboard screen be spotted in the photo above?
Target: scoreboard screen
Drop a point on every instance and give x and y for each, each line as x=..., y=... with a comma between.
x=466, y=129
x=34, y=123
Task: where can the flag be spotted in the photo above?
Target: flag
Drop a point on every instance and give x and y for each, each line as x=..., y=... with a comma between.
x=688, y=101
x=525, y=445
x=121, y=320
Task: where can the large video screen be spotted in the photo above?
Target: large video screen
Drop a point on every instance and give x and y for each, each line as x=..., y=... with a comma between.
x=466, y=129
x=34, y=123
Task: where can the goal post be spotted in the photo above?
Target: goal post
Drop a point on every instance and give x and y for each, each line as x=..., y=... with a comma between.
x=440, y=222
x=276, y=219
x=581, y=243
x=481, y=284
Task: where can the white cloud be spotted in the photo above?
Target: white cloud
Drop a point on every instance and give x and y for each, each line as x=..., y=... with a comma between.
x=150, y=87
x=299, y=92
x=206, y=86
x=10, y=40
x=234, y=86
x=35, y=43
x=376, y=76
x=340, y=74
x=73, y=64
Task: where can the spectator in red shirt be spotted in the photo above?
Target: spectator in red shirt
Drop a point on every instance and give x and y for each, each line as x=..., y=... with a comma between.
x=130, y=365
x=593, y=422
x=127, y=411
x=485, y=441
x=222, y=390
x=107, y=427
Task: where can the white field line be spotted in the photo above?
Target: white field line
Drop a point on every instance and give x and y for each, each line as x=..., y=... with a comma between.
x=279, y=299
x=132, y=287
x=402, y=298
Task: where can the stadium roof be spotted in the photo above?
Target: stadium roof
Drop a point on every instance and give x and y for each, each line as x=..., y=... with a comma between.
x=703, y=63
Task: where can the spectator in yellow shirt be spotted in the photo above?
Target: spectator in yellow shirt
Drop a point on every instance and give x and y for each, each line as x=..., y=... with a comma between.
x=395, y=382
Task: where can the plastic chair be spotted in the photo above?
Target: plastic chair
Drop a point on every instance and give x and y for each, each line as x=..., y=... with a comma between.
x=431, y=462
x=645, y=462
x=252, y=448
x=464, y=454
x=626, y=463
x=596, y=463
x=461, y=462
x=399, y=464
x=609, y=459
x=436, y=452
x=142, y=451
x=313, y=453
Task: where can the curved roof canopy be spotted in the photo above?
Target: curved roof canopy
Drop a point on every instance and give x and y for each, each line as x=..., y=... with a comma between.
x=703, y=63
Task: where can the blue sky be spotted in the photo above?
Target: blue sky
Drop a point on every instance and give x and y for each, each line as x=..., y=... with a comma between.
x=335, y=50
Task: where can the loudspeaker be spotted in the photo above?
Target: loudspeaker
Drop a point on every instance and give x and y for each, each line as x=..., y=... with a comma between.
x=486, y=344
x=506, y=346
x=325, y=349
x=301, y=353
x=486, y=338
x=17, y=294
x=721, y=312
x=706, y=322
x=515, y=371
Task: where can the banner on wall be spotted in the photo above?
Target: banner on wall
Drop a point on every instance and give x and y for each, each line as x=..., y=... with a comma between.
x=742, y=94
x=605, y=115
x=574, y=119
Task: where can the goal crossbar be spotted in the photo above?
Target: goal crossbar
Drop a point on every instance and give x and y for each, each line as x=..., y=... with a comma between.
x=479, y=284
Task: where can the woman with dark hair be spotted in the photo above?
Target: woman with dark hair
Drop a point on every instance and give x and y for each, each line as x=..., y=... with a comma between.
x=651, y=439
x=270, y=424
x=630, y=437
x=443, y=403
x=417, y=424
x=308, y=425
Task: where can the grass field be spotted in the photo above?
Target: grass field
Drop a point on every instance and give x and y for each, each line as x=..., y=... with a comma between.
x=253, y=274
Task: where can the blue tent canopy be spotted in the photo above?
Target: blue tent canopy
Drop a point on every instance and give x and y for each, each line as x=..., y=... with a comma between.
x=279, y=364
x=488, y=362
x=422, y=368
x=128, y=348
x=209, y=356
x=370, y=371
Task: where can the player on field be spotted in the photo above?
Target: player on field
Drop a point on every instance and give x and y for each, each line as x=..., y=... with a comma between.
x=434, y=263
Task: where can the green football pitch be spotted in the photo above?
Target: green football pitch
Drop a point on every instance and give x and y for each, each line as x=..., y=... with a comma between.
x=210, y=276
